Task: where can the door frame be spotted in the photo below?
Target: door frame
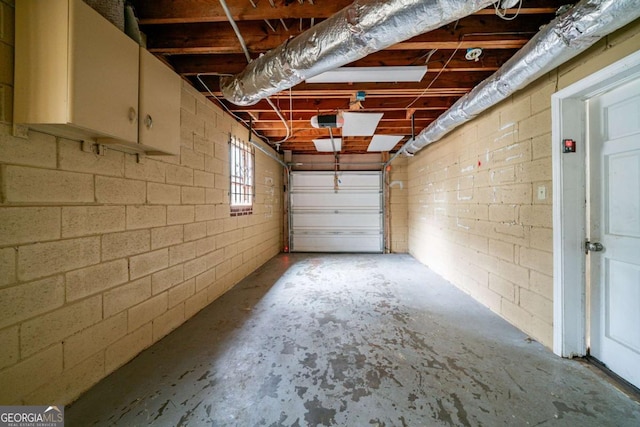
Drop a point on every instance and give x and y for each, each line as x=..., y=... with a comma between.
x=569, y=202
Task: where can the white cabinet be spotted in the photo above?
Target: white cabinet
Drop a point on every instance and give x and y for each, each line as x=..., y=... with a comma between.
x=78, y=76
x=159, y=103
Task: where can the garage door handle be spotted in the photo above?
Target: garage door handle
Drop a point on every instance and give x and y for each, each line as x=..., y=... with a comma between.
x=592, y=247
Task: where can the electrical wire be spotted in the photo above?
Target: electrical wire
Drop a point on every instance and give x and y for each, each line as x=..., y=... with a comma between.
x=437, y=75
x=456, y=51
x=233, y=24
x=240, y=119
x=284, y=121
x=503, y=13
x=290, y=108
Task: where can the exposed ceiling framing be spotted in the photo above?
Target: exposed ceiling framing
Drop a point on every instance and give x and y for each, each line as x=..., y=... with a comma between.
x=195, y=37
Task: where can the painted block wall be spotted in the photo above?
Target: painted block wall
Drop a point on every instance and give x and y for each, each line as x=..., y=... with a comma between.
x=399, y=206
x=101, y=256
x=480, y=200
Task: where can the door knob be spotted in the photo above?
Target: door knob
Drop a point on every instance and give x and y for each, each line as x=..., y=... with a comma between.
x=592, y=247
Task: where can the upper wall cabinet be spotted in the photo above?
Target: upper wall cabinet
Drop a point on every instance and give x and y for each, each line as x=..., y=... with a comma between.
x=159, y=126
x=78, y=76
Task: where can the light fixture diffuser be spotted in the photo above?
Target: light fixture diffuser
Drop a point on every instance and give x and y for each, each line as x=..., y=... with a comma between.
x=360, y=124
x=384, y=142
x=411, y=73
x=324, y=145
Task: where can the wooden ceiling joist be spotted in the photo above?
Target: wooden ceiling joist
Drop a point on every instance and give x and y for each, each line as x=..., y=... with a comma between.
x=195, y=38
x=157, y=12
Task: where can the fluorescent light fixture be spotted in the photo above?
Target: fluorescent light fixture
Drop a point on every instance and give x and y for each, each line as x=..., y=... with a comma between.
x=360, y=124
x=384, y=142
x=412, y=73
x=324, y=145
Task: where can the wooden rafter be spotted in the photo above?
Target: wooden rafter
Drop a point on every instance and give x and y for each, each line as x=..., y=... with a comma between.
x=195, y=38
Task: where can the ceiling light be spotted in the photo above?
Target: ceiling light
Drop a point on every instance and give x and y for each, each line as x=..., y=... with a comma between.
x=324, y=145
x=473, y=54
x=371, y=74
x=384, y=142
x=360, y=124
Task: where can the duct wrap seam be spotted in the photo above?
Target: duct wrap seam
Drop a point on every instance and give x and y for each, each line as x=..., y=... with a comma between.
x=356, y=31
x=562, y=39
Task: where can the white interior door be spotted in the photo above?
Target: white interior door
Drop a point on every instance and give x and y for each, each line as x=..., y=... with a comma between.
x=336, y=213
x=614, y=221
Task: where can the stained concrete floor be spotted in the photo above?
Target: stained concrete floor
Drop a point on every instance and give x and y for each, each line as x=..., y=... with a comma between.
x=350, y=340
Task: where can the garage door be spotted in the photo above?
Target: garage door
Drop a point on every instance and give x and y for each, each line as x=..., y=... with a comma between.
x=336, y=215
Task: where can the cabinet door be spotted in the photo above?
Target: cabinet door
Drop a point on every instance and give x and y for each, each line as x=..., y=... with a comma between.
x=159, y=103
x=103, y=75
x=41, y=72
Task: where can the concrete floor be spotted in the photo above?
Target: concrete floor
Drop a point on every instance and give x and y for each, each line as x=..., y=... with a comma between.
x=350, y=340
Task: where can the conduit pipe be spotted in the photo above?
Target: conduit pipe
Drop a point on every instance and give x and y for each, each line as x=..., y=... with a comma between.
x=559, y=41
x=356, y=31
x=243, y=44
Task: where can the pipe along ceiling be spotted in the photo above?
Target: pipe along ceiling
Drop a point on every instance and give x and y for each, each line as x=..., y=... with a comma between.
x=559, y=41
x=365, y=27
x=356, y=31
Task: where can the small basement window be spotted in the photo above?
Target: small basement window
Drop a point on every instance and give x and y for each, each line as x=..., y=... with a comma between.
x=241, y=160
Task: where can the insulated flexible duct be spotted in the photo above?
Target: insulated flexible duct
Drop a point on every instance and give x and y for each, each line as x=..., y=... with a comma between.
x=356, y=31
x=562, y=39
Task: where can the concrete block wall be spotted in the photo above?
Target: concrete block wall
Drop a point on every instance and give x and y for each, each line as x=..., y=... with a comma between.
x=101, y=256
x=480, y=200
x=399, y=205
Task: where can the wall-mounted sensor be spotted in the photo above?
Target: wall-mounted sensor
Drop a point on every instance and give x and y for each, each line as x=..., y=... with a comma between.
x=568, y=146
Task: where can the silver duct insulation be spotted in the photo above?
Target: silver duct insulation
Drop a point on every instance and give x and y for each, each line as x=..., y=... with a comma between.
x=561, y=40
x=356, y=31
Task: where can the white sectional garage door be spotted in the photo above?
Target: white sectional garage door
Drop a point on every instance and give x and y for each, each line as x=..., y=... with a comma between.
x=324, y=219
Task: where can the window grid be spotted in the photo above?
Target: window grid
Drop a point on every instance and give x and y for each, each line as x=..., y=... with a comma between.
x=242, y=178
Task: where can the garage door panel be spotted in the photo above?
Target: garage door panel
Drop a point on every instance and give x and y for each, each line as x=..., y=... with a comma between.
x=337, y=221
x=334, y=201
x=329, y=215
x=346, y=181
x=336, y=243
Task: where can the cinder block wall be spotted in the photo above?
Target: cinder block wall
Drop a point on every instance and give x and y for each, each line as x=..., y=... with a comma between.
x=399, y=205
x=101, y=256
x=480, y=202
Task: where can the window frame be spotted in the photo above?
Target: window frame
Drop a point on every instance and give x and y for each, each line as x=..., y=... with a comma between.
x=242, y=186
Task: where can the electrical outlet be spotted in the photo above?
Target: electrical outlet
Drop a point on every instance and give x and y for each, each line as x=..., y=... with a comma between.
x=542, y=192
